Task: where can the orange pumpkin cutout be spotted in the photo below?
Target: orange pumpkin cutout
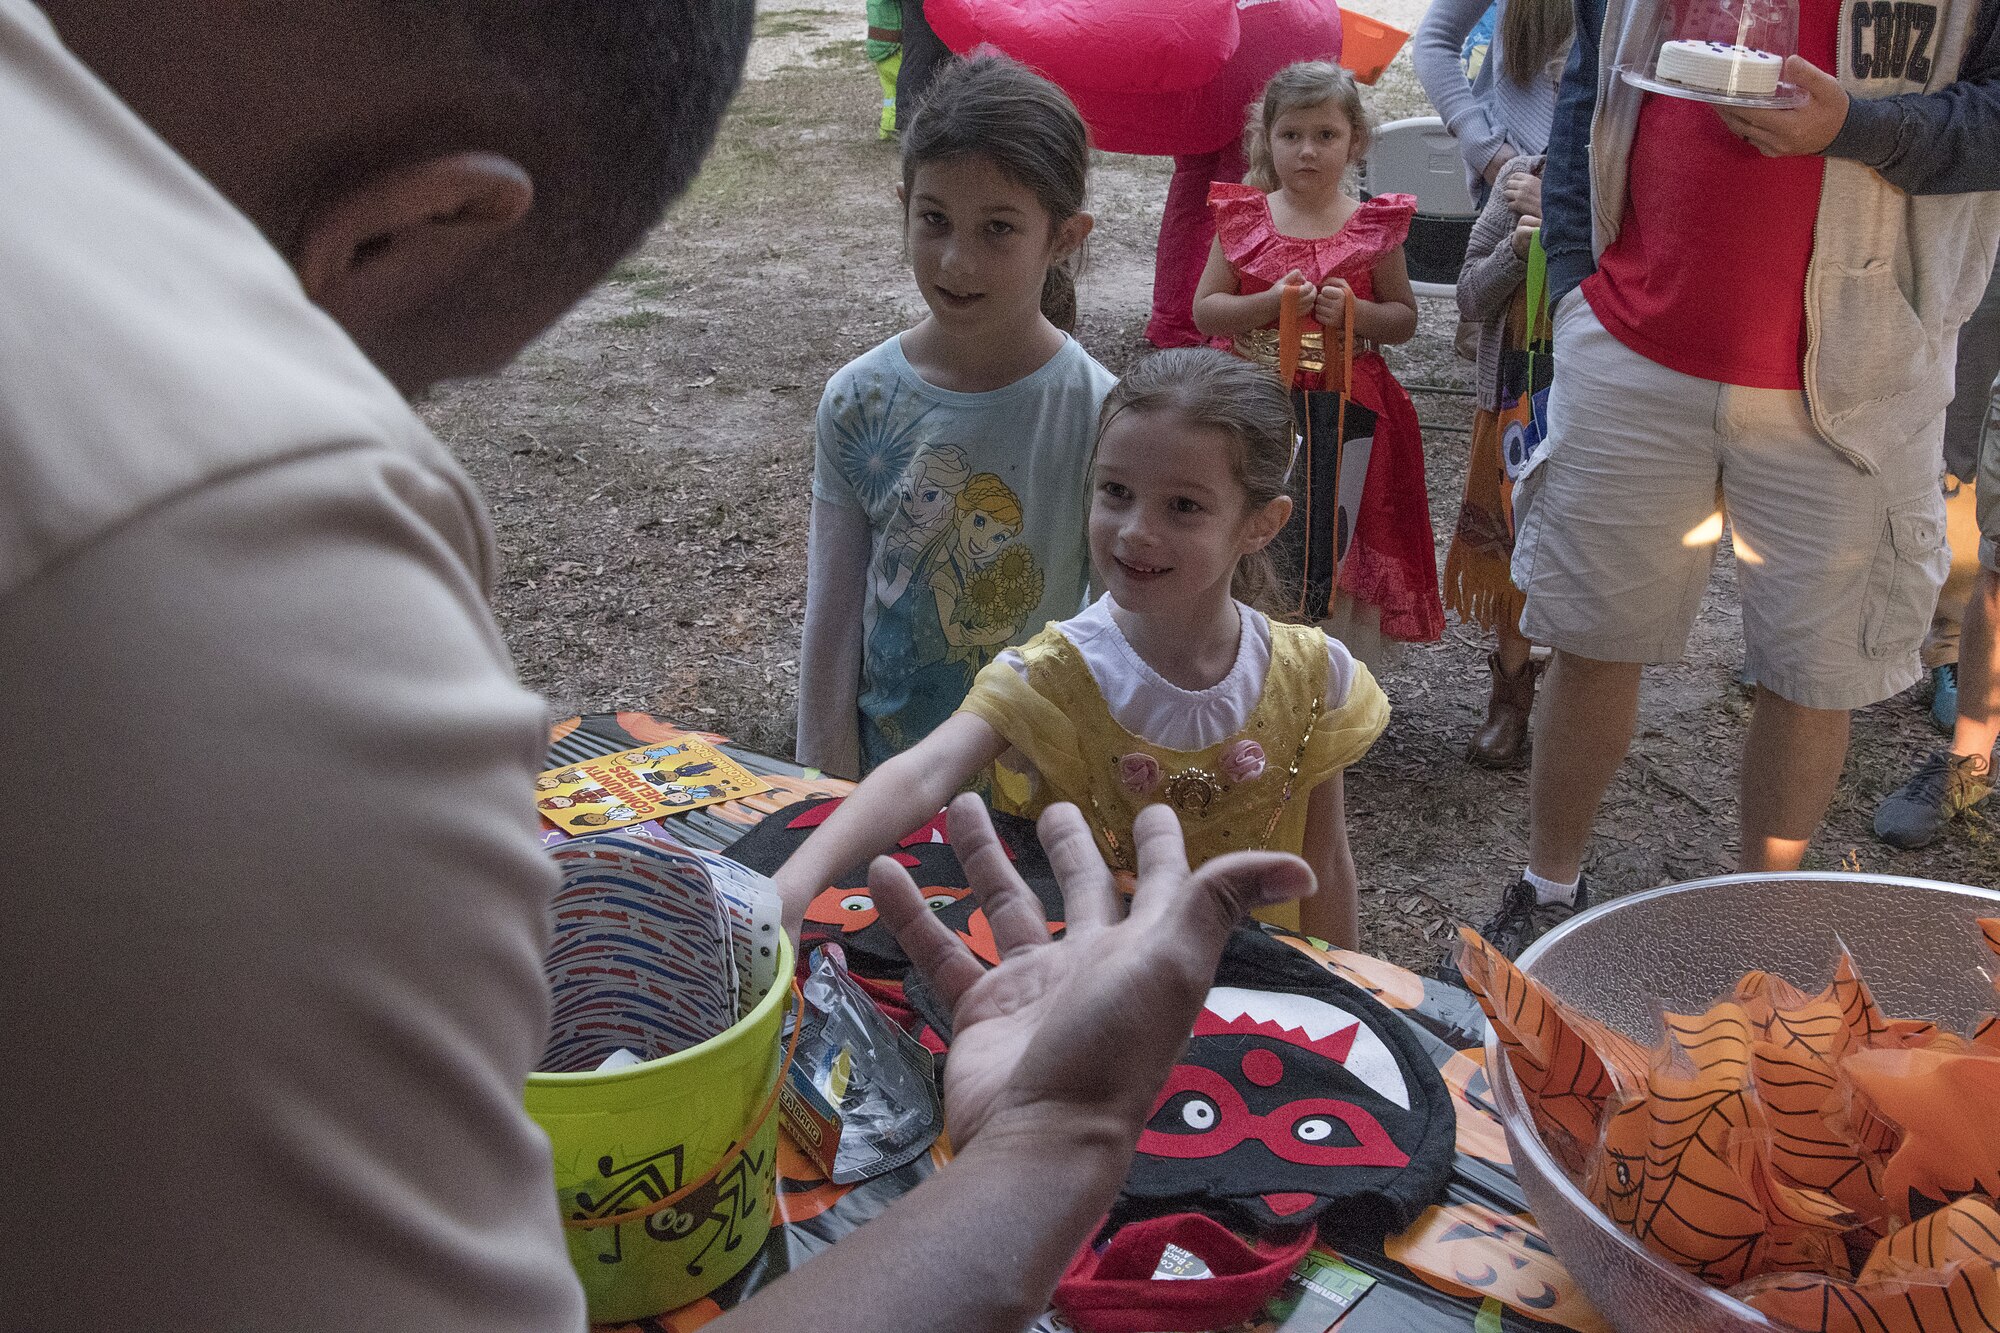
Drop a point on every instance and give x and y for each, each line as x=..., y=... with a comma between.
x=1468, y=1249
x=1937, y=1274
x=1569, y=1066
x=1943, y=1103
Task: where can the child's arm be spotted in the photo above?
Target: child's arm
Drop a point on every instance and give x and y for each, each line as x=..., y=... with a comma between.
x=1219, y=311
x=1492, y=270
x=829, y=726
x=1388, y=319
x=899, y=796
x=1334, y=913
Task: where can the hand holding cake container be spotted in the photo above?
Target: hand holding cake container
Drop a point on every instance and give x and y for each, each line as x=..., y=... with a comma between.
x=1726, y=52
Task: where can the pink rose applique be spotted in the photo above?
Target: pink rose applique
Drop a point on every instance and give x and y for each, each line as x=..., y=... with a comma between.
x=1139, y=773
x=1243, y=762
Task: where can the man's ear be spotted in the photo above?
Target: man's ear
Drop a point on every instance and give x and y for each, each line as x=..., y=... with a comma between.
x=396, y=241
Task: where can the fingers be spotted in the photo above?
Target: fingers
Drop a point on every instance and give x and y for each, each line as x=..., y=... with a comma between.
x=1011, y=908
x=1090, y=896
x=1162, y=856
x=932, y=947
x=1216, y=898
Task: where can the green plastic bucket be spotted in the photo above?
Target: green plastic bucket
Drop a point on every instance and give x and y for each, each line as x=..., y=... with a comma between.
x=625, y=1140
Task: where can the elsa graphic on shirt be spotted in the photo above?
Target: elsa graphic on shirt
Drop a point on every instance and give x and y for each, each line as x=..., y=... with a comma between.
x=971, y=591
x=925, y=502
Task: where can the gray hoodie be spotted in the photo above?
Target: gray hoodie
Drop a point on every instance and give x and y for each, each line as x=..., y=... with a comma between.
x=1909, y=213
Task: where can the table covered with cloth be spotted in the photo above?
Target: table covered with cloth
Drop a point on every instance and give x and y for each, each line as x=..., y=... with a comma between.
x=1474, y=1262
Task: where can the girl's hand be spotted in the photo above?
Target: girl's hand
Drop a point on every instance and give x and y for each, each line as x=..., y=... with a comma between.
x=1075, y=1034
x=1307, y=293
x=1329, y=309
x=1524, y=232
x=1523, y=193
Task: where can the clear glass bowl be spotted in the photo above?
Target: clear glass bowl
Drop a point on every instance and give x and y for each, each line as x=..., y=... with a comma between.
x=1684, y=946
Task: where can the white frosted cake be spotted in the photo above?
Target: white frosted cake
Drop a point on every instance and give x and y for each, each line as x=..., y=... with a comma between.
x=1720, y=67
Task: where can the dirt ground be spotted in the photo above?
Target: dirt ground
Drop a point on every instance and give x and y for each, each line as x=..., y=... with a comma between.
x=648, y=460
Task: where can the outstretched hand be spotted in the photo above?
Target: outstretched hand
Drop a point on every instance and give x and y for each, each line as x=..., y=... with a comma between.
x=1799, y=131
x=1075, y=1036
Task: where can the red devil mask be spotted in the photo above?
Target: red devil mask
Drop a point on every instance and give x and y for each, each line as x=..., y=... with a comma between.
x=1297, y=1092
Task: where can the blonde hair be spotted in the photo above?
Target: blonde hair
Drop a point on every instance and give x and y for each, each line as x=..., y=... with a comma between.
x=987, y=494
x=1293, y=88
x=1212, y=390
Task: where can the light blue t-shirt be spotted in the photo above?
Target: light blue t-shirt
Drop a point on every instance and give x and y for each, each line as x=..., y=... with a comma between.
x=976, y=508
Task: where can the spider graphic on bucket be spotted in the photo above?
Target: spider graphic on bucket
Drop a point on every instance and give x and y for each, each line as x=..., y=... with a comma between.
x=728, y=1200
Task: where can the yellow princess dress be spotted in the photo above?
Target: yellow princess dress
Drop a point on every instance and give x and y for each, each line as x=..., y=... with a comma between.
x=1091, y=723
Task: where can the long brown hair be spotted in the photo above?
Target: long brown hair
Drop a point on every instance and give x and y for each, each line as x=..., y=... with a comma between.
x=1241, y=400
x=992, y=107
x=1534, y=35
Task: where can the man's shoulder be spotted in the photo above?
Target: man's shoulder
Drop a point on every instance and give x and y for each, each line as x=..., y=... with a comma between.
x=155, y=343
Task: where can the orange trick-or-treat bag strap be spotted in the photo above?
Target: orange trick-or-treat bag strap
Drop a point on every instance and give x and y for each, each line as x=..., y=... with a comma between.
x=1289, y=333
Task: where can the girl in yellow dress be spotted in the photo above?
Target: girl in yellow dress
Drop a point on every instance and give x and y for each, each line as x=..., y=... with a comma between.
x=1171, y=687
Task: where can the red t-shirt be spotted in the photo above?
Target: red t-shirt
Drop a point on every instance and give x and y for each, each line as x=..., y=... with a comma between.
x=1708, y=274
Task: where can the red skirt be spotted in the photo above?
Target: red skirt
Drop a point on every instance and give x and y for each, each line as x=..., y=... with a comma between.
x=1378, y=548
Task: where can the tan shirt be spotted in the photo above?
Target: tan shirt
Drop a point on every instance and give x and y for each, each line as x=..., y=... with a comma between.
x=273, y=903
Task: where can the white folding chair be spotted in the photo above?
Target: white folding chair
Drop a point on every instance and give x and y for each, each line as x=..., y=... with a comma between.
x=1418, y=156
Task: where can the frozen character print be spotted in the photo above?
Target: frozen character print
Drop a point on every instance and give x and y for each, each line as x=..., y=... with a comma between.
x=984, y=585
x=925, y=502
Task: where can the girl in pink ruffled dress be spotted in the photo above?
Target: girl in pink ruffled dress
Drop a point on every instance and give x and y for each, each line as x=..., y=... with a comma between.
x=1358, y=551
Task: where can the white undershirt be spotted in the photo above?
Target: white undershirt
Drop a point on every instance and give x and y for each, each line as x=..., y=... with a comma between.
x=1156, y=710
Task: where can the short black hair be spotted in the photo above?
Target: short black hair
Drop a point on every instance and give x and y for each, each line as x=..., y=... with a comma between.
x=611, y=104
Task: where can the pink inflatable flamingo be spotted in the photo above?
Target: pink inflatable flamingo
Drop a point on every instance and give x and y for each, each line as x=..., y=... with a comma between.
x=1172, y=78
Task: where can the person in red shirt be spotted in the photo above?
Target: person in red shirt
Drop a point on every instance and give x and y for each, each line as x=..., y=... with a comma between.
x=1754, y=315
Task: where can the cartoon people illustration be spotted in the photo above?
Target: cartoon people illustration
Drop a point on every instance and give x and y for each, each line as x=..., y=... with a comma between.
x=984, y=587
x=596, y=819
x=555, y=803
x=925, y=503
x=659, y=752
x=682, y=796
x=547, y=782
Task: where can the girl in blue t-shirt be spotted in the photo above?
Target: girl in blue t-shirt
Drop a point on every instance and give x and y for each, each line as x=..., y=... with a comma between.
x=949, y=480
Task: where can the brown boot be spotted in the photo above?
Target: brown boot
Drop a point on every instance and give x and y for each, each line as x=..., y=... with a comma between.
x=1503, y=741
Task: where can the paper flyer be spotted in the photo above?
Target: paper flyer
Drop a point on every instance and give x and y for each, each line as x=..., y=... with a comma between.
x=647, y=782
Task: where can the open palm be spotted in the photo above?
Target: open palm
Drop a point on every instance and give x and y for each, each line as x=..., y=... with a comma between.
x=1079, y=1031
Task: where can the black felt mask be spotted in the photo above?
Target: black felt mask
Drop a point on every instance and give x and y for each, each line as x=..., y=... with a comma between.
x=1299, y=1099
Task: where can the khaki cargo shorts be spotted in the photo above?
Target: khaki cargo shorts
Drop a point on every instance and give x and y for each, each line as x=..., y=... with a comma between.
x=1838, y=568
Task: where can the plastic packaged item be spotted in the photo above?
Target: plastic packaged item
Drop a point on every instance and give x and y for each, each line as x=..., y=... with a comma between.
x=862, y=1097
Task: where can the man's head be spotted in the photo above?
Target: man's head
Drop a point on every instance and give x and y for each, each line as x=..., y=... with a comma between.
x=447, y=176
